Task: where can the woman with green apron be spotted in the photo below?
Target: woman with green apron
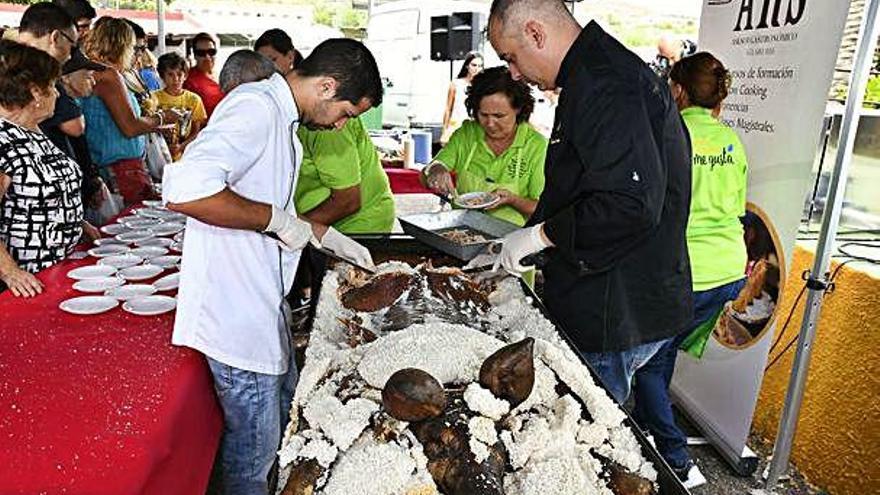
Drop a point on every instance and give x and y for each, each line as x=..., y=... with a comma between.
x=498, y=151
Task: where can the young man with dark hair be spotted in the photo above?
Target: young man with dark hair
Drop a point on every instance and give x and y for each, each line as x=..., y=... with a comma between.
x=617, y=194
x=200, y=79
x=236, y=182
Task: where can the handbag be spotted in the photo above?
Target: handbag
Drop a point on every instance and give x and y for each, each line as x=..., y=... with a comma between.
x=158, y=155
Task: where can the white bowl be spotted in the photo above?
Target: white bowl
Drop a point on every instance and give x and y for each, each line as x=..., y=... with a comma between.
x=131, y=291
x=92, y=271
x=150, y=305
x=121, y=260
x=140, y=272
x=88, y=305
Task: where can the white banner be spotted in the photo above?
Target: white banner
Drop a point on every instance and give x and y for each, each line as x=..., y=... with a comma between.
x=781, y=54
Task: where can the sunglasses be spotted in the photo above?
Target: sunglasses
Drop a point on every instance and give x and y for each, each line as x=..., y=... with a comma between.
x=83, y=26
x=72, y=41
x=210, y=52
x=140, y=48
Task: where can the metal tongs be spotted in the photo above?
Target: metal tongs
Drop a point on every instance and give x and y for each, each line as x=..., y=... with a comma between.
x=330, y=254
x=482, y=267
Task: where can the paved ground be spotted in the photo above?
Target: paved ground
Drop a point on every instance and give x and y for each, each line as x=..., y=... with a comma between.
x=723, y=481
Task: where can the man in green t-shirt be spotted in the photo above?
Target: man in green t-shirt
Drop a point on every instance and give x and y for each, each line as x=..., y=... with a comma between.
x=341, y=181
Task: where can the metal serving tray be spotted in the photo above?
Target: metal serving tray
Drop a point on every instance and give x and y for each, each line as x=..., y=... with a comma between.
x=398, y=247
x=427, y=228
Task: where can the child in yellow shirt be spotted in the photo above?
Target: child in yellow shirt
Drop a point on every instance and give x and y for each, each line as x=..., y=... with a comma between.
x=173, y=69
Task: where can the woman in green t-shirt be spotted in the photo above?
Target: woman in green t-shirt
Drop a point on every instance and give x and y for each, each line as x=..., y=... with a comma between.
x=498, y=151
x=715, y=243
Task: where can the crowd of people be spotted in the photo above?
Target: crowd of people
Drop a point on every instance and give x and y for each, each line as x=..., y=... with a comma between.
x=643, y=241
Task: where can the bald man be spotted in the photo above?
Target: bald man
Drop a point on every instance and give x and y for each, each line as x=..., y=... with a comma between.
x=615, y=205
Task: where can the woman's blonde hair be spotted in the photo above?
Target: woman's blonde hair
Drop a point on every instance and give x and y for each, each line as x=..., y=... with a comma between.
x=111, y=41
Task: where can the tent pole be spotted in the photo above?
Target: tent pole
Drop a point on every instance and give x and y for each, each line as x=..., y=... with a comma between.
x=818, y=281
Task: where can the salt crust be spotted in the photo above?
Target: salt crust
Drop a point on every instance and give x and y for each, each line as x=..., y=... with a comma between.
x=450, y=353
x=554, y=476
x=548, y=441
x=341, y=423
x=482, y=401
x=373, y=468
x=483, y=436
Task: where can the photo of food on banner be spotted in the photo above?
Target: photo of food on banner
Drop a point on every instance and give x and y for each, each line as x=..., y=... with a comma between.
x=746, y=318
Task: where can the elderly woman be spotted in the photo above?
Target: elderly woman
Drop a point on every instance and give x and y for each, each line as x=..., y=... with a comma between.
x=41, y=215
x=115, y=125
x=277, y=46
x=499, y=151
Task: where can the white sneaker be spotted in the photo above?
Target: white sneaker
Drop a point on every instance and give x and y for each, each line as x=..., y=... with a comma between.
x=694, y=478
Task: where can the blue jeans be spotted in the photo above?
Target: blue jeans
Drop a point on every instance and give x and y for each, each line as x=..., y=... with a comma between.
x=653, y=408
x=256, y=409
x=616, y=368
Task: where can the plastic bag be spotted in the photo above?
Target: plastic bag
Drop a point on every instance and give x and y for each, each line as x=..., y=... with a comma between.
x=158, y=155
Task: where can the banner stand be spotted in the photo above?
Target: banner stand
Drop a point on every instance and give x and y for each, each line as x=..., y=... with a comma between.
x=744, y=463
x=819, y=283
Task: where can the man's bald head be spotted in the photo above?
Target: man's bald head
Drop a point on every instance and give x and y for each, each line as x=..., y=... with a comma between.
x=505, y=12
x=532, y=36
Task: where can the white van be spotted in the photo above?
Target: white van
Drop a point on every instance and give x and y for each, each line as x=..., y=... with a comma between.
x=398, y=34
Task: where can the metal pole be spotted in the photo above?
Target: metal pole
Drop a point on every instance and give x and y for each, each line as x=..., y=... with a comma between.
x=160, y=19
x=818, y=280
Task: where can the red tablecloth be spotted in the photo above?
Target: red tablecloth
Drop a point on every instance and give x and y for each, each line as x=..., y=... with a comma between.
x=405, y=181
x=100, y=404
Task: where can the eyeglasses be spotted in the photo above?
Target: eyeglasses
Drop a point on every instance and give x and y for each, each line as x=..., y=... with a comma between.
x=210, y=52
x=140, y=48
x=72, y=41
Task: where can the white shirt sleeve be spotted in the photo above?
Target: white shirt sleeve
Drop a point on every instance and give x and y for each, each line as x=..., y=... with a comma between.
x=232, y=142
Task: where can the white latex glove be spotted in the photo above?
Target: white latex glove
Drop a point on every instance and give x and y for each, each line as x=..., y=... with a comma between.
x=346, y=247
x=517, y=245
x=293, y=233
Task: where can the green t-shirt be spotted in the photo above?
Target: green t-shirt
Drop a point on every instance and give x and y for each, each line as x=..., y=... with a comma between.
x=339, y=160
x=718, y=198
x=520, y=169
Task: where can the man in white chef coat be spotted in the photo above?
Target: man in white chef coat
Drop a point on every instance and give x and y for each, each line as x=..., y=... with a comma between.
x=236, y=182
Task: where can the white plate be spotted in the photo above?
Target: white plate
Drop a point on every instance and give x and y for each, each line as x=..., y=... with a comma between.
x=155, y=241
x=136, y=235
x=150, y=305
x=128, y=218
x=88, y=305
x=154, y=203
x=167, y=228
x=177, y=247
x=114, y=229
x=78, y=255
x=168, y=261
x=121, y=261
x=154, y=213
x=140, y=272
x=142, y=223
x=168, y=282
x=175, y=217
x=131, y=291
x=98, y=284
x=476, y=200
x=147, y=252
x=107, y=241
x=91, y=271
x=108, y=250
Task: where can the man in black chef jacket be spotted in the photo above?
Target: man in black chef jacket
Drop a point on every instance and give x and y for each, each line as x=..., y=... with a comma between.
x=615, y=205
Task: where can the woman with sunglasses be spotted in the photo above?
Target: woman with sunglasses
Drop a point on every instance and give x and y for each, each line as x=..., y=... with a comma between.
x=200, y=79
x=115, y=127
